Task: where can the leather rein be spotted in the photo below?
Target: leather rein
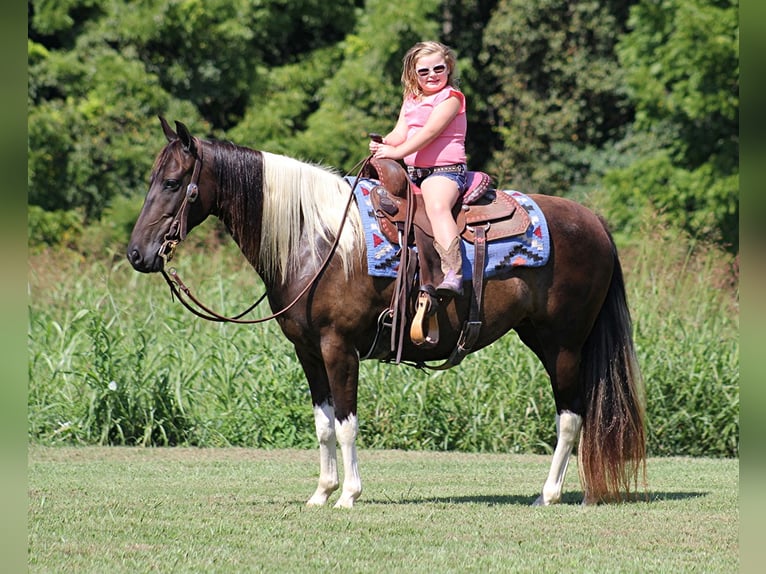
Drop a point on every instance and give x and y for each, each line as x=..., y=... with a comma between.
x=177, y=233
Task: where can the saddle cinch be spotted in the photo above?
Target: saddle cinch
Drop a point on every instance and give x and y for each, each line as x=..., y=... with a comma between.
x=482, y=215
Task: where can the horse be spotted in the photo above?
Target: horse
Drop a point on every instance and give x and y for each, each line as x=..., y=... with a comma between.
x=295, y=225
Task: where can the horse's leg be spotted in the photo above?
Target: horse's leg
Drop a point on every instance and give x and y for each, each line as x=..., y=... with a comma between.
x=562, y=367
x=567, y=394
x=568, y=425
x=342, y=364
x=347, y=430
x=324, y=421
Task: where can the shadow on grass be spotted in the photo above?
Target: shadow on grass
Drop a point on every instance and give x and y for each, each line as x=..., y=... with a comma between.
x=569, y=498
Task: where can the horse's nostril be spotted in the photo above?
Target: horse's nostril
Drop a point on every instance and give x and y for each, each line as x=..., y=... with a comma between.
x=134, y=256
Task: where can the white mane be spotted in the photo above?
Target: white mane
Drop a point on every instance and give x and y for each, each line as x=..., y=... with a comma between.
x=302, y=212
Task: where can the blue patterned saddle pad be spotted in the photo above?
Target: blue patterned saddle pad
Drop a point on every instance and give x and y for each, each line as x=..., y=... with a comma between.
x=529, y=250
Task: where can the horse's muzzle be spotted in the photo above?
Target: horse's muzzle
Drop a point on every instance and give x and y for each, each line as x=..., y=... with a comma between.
x=144, y=261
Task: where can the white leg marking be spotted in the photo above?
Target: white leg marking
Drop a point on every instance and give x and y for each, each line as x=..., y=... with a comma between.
x=568, y=427
x=352, y=483
x=324, y=420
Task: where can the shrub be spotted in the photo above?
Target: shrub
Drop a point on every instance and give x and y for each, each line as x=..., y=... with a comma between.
x=53, y=228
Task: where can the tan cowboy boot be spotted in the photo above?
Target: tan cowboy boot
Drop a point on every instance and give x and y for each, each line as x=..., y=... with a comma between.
x=452, y=267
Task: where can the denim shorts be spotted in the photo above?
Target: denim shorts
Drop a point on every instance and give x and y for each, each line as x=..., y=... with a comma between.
x=459, y=177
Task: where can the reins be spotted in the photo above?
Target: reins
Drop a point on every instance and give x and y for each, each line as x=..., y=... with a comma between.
x=175, y=236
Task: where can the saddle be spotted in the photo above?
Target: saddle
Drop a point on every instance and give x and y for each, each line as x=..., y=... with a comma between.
x=482, y=214
x=498, y=213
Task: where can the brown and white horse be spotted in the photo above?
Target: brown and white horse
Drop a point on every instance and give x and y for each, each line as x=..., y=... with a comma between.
x=284, y=215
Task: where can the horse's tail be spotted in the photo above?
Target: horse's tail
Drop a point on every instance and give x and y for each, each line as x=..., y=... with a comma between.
x=612, y=452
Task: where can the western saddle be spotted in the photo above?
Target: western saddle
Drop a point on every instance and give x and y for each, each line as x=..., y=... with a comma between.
x=483, y=214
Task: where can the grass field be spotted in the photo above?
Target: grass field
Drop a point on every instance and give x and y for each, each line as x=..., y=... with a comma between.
x=115, y=509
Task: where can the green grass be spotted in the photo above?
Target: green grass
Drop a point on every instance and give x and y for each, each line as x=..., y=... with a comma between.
x=242, y=510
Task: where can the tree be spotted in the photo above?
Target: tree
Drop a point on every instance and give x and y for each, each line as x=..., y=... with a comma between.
x=210, y=52
x=100, y=72
x=681, y=62
x=554, y=89
x=362, y=91
x=560, y=92
x=91, y=126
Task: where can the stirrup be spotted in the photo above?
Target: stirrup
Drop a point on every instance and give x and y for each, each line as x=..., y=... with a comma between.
x=424, y=330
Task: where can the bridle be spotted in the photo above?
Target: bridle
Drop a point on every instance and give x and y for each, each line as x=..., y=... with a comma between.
x=177, y=233
x=179, y=226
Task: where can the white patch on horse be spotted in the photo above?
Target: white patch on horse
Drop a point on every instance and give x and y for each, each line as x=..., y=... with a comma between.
x=346, y=432
x=324, y=420
x=568, y=425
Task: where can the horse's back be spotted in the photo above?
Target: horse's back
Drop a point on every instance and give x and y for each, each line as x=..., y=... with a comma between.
x=579, y=237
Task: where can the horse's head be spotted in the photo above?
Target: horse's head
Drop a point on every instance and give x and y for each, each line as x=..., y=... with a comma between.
x=173, y=204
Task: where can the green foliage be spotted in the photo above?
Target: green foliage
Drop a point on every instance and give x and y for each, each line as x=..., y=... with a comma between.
x=210, y=53
x=701, y=203
x=129, y=402
x=499, y=401
x=681, y=61
x=364, y=93
x=559, y=93
x=53, y=227
x=122, y=394
x=283, y=100
x=685, y=308
x=682, y=66
x=108, y=237
x=59, y=23
x=554, y=89
x=98, y=138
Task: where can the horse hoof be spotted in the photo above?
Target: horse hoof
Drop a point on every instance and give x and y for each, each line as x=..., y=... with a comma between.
x=319, y=498
x=345, y=502
x=541, y=500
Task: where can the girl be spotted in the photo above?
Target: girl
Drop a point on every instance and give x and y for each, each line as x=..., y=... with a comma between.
x=430, y=137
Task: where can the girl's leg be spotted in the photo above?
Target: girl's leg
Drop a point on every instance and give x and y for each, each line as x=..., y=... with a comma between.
x=439, y=195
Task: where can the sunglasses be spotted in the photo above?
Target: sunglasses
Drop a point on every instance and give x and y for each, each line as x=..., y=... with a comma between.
x=425, y=72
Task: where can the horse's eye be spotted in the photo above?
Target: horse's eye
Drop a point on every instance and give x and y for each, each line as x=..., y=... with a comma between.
x=171, y=184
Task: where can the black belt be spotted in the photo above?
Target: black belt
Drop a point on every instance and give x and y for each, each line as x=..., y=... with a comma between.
x=423, y=172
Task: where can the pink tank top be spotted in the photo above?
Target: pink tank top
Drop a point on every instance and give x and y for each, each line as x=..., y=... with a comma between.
x=449, y=147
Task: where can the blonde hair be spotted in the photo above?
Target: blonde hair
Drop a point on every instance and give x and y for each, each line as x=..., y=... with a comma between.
x=410, y=76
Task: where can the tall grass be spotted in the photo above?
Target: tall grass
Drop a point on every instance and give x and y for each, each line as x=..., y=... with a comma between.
x=685, y=307
x=113, y=360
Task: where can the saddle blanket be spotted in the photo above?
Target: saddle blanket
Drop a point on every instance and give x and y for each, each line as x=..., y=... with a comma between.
x=529, y=250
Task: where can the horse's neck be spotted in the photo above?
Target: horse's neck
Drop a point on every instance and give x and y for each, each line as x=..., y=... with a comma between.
x=237, y=200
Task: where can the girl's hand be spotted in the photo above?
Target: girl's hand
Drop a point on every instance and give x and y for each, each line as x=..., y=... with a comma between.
x=384, y=151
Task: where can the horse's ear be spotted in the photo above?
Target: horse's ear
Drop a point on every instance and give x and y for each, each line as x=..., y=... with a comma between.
x=169, y=133
x=186, y=138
